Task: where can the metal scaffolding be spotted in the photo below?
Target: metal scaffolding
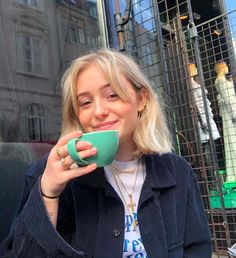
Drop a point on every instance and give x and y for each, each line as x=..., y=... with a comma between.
x=193, y=71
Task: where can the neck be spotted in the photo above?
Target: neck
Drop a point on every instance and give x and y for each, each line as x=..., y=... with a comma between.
x=126, y=151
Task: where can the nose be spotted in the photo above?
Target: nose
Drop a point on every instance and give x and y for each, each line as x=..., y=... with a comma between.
x=101, y=110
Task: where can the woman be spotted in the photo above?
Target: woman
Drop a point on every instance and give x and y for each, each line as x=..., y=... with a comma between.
x=227, y=108
x=145, y=204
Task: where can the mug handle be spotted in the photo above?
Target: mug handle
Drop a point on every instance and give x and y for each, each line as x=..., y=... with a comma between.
x=71, y=146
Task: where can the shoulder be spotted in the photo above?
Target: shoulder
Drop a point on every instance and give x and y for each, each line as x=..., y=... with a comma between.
x=180, y=169
x=168, y=169
x=173, y=162
x=169, y=159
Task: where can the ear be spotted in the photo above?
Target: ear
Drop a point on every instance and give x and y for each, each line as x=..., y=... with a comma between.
x=142, y=99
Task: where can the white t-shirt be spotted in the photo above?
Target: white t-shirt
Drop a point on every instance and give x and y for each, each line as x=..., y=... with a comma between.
x=133, y=246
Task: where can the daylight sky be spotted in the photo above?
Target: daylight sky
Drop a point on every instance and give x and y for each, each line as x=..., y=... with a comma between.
x=230, y=5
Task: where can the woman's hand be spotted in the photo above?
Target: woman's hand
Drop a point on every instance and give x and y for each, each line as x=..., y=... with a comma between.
x=60, y=168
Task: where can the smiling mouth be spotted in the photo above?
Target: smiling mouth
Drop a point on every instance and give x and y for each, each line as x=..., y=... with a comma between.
x=106, y=126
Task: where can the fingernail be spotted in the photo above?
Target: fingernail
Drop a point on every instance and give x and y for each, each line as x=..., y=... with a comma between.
x=93, y=166
x=94, y=150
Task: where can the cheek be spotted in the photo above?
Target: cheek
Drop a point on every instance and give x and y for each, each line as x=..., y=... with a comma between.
x=131, y=114
x=83, y=118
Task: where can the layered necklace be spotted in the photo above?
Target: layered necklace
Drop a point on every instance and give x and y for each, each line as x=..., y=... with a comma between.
x=130, y=204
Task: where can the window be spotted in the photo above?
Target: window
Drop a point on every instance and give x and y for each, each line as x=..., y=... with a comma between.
x=29, y=54
x=36, y=128
x=92, y=41
x=77, y=31
x=35, y=121
x=93, y=11
x=32, y=3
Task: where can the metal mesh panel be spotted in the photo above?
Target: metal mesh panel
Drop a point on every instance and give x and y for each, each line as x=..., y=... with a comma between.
x=181, y=61
x=217, y=55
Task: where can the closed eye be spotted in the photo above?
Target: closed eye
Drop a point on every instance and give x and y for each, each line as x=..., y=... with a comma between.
x=84, y=102
x=112, y=96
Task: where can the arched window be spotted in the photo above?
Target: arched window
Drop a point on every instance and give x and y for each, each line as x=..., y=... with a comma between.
x=34, y=122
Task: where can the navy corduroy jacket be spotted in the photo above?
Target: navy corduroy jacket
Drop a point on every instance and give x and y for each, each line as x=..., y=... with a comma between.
x=171, y=217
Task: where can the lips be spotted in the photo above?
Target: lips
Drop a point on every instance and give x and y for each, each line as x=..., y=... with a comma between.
x=106, y=126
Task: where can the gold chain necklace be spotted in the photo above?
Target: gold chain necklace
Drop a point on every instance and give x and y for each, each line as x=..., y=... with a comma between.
x=131, y=205
x=126, y=170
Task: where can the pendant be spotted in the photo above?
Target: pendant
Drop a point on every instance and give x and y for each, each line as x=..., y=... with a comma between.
x=131, y=204
x=135, y=225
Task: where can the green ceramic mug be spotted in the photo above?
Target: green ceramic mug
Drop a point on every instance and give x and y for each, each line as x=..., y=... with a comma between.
x=106, y=143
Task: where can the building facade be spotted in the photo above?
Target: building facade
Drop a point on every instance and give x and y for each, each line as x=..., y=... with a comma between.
x=39, y=40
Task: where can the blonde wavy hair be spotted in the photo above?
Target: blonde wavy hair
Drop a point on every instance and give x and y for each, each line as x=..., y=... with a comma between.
x=151, y=134
x=221, y=66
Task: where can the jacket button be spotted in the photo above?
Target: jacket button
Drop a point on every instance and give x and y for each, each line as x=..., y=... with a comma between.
x=116, y=232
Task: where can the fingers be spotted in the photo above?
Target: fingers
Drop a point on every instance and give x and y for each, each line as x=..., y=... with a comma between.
x=60, y=168
x=64, y=164
x=66, y=161
x=62, y=151
x=58, y=173
x=64, y=139
x=80, y=171
x=61, y=146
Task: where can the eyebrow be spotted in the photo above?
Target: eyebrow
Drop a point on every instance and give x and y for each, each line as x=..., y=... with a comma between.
x=87, y=92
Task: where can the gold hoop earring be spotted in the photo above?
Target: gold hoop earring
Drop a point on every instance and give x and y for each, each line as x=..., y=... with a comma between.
x=140, y=111
x=139, y=114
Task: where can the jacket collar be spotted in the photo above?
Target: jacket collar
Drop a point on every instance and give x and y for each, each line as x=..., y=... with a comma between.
x=160, y=173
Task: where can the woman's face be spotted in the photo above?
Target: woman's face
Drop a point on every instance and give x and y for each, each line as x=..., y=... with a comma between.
x=100, y=108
